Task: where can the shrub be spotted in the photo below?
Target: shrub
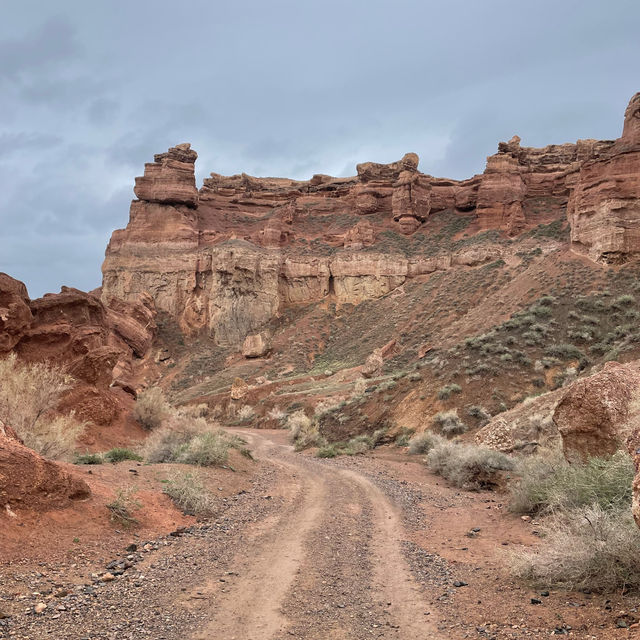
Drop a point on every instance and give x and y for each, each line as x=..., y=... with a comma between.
x=194, y=410
x=29, y=395
x=404, y=436
x=123, y=506
x=548, y=483
x=190, y=442
x=479, y=413
x=151, y=408
x=276, y=414
x=328, y=451
x=565, y=352
x=245, y=413
x=325, y=406
x=118, y=455
x=468, y=466
x=188, y=492
x=88, y=458
x=587, y=548
x=449, y=423
x=297, y=422
x=423, y=442
x=624, y=301
x=446, y=391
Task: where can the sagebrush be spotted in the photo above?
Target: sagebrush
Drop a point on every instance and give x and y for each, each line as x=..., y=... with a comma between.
x=188, y=492
x=151, y=408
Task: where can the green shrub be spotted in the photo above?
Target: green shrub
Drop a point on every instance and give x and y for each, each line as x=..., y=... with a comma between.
x=449, y=423
x=118, y=455
x=88, y=458
x=151, y=408
x=423, y=442
x=446, y=391
x=586, y=548
x=479, y=413
x=189, y=494
x=328, y=451
x=468, y=466
x=565, y=352
x=548, y=483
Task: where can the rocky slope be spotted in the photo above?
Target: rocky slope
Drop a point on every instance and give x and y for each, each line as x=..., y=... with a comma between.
x=227, y=259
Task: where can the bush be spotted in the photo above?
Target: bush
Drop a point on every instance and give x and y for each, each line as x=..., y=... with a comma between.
x=29, y=395
x=548, y=483
x=446, y=391
x=123, y=506
x=479, y=413
x=118, y=455
x=88, y=458
x=276, y=414
x=188, y=492
x=190, y=442
x=587, y=548
x=151, y=408
x=423, y=442
x=468, y=466
x=245, y=413
x=328, y=451
x=449, y=423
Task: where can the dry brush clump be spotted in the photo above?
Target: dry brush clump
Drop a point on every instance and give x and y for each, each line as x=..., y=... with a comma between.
x=189, y=441
x=304, y=431
x=188, y=492
x=29, y=395
x=151, y=408
x=468, y=466
x=449, y=423
x=585, y=548
x=423, y=442
x=124, y=505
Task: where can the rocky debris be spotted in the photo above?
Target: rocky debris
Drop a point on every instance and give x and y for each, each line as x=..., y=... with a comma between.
x=29, y=481
x=256, y=345
x=373, y=365
x=360, y=236
x=525, y=427
x=604, y=207
x=170, y=178
x=597, y=414
x=239, y=389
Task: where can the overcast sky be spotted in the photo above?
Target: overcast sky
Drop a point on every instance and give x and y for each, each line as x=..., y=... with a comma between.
x=91, y=89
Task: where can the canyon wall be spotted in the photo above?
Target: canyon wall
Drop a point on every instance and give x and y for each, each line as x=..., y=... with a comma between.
x=225, y=259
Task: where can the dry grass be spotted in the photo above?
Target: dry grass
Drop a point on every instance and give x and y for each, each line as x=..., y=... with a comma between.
x=188, y=492
x=548, y=483
x=449, y=423
x=468, y=466
x=422, y=443
x=586, y=548
x=246, y=413
x=29, y=395
x=151, y=408
x=191, y=442
x=123, y=507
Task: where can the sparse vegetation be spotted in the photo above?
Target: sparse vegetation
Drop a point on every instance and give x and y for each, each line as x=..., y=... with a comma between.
x=586, y=548
x=449, y=423
x=445, y=392
x=468, y=466
x=29, y=395
x=124, y=505
x=246, y=413
x=151, y=408
x=423, y=442
x=548, y=483
x=120, y=454
x=88, y=458
x=188, y=492
x=190, y=442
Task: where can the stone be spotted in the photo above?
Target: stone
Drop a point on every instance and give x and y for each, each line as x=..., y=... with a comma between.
x=597, y=414
x=40, y=607
x=256, y=345
x=373, y=365
x=15, y=314
x=239, y=389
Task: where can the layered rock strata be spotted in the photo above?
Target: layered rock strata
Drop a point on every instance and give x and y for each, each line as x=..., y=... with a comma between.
x=226, y=259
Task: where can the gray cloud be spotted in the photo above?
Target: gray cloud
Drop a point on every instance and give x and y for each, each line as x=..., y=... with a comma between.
x=90, y=91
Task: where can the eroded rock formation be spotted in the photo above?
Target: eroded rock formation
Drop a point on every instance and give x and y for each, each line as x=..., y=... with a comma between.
x=226, y=259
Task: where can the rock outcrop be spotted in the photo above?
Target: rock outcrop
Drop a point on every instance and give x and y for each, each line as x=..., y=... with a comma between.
x=256, y=345
x=604, y=208
x=28, y=481
x=99, y=344
x=227, y=259
x=597, y=415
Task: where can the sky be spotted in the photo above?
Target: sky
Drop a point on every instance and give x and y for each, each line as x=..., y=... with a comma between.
x=91, y=90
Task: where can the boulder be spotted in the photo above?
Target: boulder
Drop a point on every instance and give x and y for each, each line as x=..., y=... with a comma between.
x=597, y=414
x=239, y=389
x=256, y=345
x=373, y=365
x=15, y=315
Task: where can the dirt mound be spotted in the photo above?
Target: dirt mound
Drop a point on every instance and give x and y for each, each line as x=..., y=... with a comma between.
x=28, y=481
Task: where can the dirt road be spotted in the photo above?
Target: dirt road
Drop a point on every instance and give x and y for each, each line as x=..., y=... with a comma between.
x=344, y=549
